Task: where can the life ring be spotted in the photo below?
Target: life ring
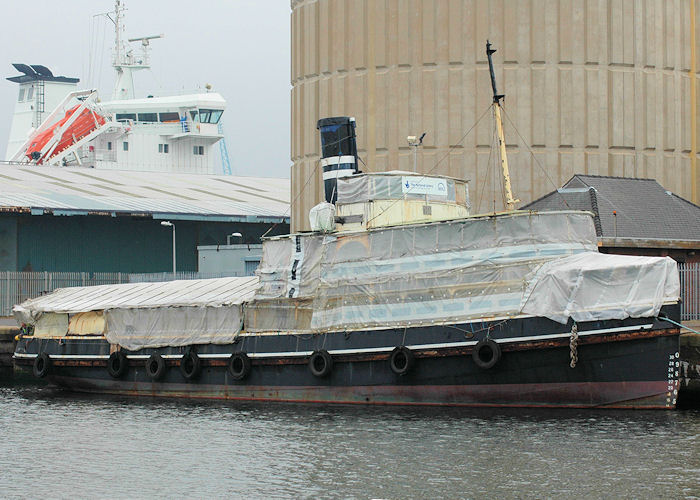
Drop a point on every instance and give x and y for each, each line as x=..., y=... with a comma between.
x=320, y=363
x=190, y=365
x=42, y=365
x=155, y=366
x=486, y=353
x=117, y=364
x=239, y=365
x=401, y=360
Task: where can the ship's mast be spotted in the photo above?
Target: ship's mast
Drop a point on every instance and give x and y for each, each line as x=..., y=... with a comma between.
x=125, y=62
x=510, y=201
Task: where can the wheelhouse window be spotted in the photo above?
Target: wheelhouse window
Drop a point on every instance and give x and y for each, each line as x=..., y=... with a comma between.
x=207, y=115
x=30, y=93
x=109, y=145
x=198, y=150
x=125, y=145
x=169, y=117
x=21, y=95
x=148, y=117
x=123, y=117
x=163, y=148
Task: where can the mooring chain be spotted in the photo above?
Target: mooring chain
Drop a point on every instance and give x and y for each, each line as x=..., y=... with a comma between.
x=573, y=346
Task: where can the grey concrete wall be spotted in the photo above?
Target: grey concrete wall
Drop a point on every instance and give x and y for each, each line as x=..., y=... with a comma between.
x=594, y=86
x=227, y=258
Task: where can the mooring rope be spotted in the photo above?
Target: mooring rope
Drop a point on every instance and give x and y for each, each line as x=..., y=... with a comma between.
x=573, y=346
x=664, y=318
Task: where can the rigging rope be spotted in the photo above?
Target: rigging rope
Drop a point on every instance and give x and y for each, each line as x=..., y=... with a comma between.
x=286, y=212
x=532, y=153
x=488, y=168
x=436, y=164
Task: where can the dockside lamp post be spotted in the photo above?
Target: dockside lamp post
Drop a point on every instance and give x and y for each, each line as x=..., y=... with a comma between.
x=232, y=235
x=170, y=224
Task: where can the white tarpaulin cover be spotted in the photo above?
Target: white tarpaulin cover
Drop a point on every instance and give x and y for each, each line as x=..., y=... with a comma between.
x=594, y=286
x=138, y=315
x=453, y=271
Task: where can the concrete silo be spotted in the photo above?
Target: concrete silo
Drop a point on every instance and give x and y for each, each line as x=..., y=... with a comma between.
x=593, y=86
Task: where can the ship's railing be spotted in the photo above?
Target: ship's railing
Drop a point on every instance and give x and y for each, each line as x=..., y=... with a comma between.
x=102, y=154
x=15, y=163
x=690, y=291
x=16, y=287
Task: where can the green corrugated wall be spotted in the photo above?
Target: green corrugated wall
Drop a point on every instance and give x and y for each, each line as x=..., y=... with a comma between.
x=111, y=244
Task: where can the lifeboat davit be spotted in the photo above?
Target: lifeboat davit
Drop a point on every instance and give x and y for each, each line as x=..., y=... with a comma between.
x=84, y=124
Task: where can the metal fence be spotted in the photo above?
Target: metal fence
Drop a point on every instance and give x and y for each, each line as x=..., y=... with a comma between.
x=690, y=291
x=16, y=287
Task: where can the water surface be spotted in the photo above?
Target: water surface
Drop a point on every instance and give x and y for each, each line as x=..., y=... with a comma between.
x=59, y=444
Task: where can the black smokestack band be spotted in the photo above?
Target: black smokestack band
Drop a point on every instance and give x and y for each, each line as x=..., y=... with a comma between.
x=338, y=152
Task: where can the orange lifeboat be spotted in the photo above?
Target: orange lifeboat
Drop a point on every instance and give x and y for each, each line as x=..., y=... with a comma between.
x=85, y=123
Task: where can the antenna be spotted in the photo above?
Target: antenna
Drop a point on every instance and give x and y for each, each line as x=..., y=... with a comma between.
x=125, y=62
x=510, y=201
x=414, y=142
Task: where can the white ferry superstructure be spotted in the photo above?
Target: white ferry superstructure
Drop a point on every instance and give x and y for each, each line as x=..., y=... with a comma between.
x=180, y=133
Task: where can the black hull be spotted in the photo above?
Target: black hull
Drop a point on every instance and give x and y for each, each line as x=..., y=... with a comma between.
x=629, y=364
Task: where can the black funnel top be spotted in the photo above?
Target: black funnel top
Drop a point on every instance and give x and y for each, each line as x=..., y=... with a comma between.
x=338, y=152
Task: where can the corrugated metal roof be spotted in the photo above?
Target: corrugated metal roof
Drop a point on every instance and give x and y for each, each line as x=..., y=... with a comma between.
x=214, y=292
x=196, y=196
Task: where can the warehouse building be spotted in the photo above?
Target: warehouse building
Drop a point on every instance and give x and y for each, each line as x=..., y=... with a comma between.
x=94, y=221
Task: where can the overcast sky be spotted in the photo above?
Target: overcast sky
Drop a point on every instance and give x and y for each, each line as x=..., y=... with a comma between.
x=241, y=47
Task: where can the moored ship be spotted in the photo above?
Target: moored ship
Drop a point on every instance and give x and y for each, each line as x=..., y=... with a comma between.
x=399, y=295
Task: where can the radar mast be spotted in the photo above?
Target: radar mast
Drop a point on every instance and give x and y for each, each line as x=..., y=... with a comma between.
x=125, y=61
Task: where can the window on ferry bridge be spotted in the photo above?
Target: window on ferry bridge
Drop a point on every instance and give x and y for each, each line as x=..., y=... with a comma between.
x=169, y=117
x=148, y=117
x=207, y=115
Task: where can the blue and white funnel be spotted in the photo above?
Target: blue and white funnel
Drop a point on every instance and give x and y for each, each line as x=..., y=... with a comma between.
x=338, y=152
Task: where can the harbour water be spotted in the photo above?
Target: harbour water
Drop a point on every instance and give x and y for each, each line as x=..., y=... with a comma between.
x=61, y=445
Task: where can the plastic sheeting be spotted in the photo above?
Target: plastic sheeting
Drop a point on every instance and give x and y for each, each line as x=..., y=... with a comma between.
x=138, y=315
x=87, y=323
x=173, y=326
x=440, y=273
x=425, y=274
x=322, y=217
x=390, y=186
x=51, y=325
x=290, y=267
x=594, y=286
